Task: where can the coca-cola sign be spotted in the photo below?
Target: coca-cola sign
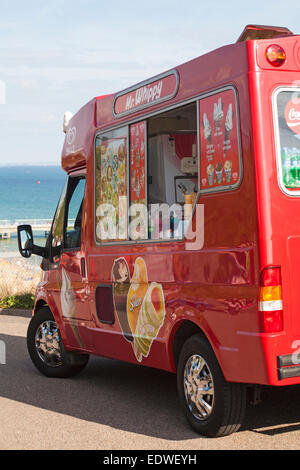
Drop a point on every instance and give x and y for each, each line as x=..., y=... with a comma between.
x=292, y=115
x=146, y=94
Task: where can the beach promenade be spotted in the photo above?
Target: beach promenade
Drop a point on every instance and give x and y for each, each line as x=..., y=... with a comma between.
x=9, y=227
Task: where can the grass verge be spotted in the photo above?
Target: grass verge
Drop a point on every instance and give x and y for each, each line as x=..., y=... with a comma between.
x=25, y=301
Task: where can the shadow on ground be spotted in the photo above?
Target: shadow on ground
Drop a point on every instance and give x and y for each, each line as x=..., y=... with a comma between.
x=278, y=413
x=16, y=312
x=129, y=397
x=114, y=393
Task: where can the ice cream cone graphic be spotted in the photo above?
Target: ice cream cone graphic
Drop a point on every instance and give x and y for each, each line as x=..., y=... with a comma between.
x=228, y=128
x=121, y=283
x=218, y=118
x=145, y=310
x=136, y=293
x=227, y=169
x=150, y=320
x=228, y=122
x=210, y=174
x=207, y=129
x=219, y=172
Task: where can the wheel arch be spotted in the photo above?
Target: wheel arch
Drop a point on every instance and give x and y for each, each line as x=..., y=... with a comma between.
x=40, y=304
x=183, y=331
x=47, y=301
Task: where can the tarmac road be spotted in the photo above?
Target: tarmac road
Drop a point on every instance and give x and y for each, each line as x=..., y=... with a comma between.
x=113, y=405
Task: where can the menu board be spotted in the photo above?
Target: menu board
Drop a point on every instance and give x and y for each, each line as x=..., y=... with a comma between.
x=111, y=181
x=138, y=173
x=138, y=162
x=219, y=145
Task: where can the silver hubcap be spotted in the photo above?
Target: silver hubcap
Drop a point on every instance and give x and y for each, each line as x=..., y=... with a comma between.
x=47, y=344
x=198, y=387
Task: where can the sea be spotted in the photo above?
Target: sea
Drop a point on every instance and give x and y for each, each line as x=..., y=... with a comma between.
x=27, y=193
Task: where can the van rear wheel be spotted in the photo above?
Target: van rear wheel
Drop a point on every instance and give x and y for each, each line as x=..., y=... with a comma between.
x=46, y=348
x=212, y=406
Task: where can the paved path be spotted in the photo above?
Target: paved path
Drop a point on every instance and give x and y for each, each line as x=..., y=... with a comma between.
x=114, y=405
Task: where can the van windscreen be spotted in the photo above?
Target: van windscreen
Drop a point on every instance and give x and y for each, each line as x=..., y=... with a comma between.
x=287, y=108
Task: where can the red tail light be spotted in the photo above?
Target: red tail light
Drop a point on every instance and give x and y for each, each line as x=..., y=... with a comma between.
x=270, y=300
x=275, y=55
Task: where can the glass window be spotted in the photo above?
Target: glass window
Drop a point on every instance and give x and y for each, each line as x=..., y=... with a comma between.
x=58, y=224
x=138, y=181
x=76, y=191
x=219, y=148
x=172, y=171
x=288, y=139
x=151, y=192
x=111, y=198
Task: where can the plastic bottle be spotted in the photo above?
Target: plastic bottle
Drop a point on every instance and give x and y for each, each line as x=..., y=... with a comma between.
x=293, y=171
x=284, y=164
x=297, y=156
x=286, y=168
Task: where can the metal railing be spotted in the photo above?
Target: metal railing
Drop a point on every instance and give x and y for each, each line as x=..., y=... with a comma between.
x=8, y=227
x=17, y=275
x=35, y=223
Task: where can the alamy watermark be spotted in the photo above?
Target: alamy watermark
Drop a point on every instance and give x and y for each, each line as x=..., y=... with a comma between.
x=156, y=222
x=2, y=352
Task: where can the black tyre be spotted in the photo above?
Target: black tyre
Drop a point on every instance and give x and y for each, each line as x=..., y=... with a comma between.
x=212, y=406
x=46, y=348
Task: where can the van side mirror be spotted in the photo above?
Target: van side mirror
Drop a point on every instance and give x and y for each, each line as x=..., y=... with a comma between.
x=25, y=242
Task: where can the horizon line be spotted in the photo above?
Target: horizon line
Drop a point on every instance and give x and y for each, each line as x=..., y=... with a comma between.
x=29, y=164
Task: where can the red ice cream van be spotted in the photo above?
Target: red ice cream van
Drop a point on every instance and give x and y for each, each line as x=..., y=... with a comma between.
x=176, y=240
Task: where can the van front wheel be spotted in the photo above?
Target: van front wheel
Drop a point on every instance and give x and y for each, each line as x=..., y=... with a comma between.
x=212, y=406
x=46, y=348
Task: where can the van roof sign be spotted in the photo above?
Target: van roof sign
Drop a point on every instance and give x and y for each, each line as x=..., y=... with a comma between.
x=147, y=93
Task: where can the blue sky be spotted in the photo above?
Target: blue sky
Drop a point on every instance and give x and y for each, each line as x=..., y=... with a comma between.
x=56, y=55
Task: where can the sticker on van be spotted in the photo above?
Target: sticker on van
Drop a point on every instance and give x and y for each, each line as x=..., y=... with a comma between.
x=292, y=115
x=140, y=306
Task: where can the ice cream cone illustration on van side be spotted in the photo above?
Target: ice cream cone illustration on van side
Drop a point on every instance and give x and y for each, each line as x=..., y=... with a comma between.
x=210, y=174
x=137, y=291
x=145, y=310
x=218, y=118
x=121, y=283
x=67, y=299
x=207, y=129
x=228, y=123
x=227, y=169
x=219, y=172
x=228, y=129
x=150, y=320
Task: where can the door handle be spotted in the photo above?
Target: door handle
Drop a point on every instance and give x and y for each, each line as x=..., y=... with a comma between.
x=83, y=267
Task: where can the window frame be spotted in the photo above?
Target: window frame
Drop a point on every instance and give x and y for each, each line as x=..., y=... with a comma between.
x=229, y=187
x=68, y=199
x=51, y=247
x=129, y=176
x=144, y=117
x=97, y=135
x=276, y=92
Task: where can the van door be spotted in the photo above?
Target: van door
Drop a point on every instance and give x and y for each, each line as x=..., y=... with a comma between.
x=71, y=272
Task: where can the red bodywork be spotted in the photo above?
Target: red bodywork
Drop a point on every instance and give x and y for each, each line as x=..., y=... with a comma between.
x=215, y=289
